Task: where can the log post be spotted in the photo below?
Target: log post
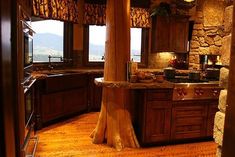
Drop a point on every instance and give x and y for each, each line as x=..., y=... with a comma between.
x=114, y=123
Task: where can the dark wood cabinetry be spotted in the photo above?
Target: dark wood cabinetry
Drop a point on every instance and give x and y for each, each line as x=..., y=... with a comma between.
x=155, y=115
x=179, y=36
x=170, y=34
x=56, y=105
x=161, y=34
x=161, y=120
x=94, y=93
x=189, y=120
x=212, y=109
x=61, y=96
x=158, y=122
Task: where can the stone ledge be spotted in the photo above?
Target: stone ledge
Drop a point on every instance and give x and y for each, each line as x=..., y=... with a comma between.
x=219, y=127
x=223, y=100
x=223, y=82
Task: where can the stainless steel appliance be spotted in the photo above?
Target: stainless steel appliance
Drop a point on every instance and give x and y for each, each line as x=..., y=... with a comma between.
x=187, y=89
x=29, y=137
x=28, y=43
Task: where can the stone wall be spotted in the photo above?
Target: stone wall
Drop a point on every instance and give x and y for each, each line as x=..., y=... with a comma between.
x=224, y=72
x=220, y=115
x=207, y=31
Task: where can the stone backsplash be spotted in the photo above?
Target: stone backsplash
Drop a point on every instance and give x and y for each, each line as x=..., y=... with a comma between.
x=208, y=37
x=207, y=32
x=224, y=73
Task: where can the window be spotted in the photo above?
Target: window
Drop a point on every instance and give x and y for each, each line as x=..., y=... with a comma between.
x=96, y=44
x=48, y=40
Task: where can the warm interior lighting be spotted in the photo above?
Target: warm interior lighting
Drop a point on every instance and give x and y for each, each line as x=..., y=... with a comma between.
x=189, y=1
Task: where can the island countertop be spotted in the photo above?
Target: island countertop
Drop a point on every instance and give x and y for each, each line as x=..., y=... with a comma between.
x=129, y=85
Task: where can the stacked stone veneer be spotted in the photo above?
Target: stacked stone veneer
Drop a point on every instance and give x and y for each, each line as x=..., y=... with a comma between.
x=220, y=115
x=225, y=51
x=208, y=32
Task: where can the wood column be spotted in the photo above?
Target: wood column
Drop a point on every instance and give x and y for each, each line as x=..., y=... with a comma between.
x=229, y=127
x=114, y=124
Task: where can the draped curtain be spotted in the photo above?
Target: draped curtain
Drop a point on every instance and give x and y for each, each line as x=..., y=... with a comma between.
x=95, y=14
x=64, y=10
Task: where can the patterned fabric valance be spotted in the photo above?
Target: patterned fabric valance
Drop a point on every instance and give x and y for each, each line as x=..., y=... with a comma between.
x=95, y=14
x=140, y=17
x=64, y=10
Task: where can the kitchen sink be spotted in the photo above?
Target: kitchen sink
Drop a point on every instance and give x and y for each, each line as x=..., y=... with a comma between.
x=60, y=73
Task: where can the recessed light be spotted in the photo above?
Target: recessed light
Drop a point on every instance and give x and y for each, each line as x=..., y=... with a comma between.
x=188, y=0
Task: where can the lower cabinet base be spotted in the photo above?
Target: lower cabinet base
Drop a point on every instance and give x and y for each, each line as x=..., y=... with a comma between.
x=163, y=121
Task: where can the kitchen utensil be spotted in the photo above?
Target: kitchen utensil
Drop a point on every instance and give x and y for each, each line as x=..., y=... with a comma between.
x=194, y=75
x=169, y=73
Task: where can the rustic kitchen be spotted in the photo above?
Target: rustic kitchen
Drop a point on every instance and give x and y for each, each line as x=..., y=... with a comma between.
x=117, y=78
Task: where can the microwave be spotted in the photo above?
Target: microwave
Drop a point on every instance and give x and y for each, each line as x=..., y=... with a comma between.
x=28, y=44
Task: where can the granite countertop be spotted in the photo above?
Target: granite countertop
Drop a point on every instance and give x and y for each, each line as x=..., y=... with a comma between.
x=45, y=73
x=129, y=85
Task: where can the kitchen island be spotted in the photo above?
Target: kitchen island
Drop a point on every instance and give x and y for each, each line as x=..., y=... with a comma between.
x=167, y=112
x=162, y=112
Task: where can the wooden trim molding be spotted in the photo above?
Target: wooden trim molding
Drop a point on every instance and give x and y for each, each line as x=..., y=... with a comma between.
x=7, y=84
x=144, y=49
x=229, y=127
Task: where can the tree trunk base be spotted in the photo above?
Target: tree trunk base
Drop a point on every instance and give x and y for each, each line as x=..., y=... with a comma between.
x=114, y=123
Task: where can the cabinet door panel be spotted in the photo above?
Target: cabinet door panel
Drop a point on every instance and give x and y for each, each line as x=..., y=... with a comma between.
x=161, y=34
x=158, y=121
x=179, y=35
x=189, y=120
x=75, y=100
x=52, y=106
x=212, y=109
x=95, y=93
x=170, y=34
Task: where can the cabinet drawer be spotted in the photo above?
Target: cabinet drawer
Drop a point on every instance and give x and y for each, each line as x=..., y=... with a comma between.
x=163, y=94
x=65, y=82
x=190, y=111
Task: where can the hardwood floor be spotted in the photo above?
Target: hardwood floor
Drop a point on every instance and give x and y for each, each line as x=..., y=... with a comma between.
x=71, y=139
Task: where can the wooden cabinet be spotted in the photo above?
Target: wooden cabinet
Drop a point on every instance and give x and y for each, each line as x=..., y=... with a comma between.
x=59, y=104
x=189, y=120
x=52, y=106
x=170, y=34
x=212, y=109
x=158, y=122
x=161, y=28
x=154, y=115
x=94, y=93
x=161, y=120
x=61, y=96
x=179, y=36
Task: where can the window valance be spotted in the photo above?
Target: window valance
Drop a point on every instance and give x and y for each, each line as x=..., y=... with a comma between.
x=95, y=14
x=64, y=10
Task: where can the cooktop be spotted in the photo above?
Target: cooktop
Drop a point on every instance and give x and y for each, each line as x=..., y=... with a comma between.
x=187, y=80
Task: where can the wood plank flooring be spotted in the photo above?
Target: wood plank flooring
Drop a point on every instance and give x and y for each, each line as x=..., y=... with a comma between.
x=71, y=139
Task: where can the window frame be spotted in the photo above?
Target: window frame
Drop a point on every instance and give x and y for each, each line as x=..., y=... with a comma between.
x=144, y=49
x=67, y=47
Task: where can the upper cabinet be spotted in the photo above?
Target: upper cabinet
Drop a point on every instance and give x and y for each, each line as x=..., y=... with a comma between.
x=170, y=34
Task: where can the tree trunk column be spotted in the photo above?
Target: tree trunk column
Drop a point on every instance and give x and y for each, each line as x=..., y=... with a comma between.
x=114, y=123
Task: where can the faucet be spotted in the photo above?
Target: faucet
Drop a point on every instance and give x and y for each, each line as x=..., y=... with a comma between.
x=50, y=63
x=62, y=59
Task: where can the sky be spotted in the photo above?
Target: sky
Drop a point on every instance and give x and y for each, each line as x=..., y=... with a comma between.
x=51, y=26
x=98, y=34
